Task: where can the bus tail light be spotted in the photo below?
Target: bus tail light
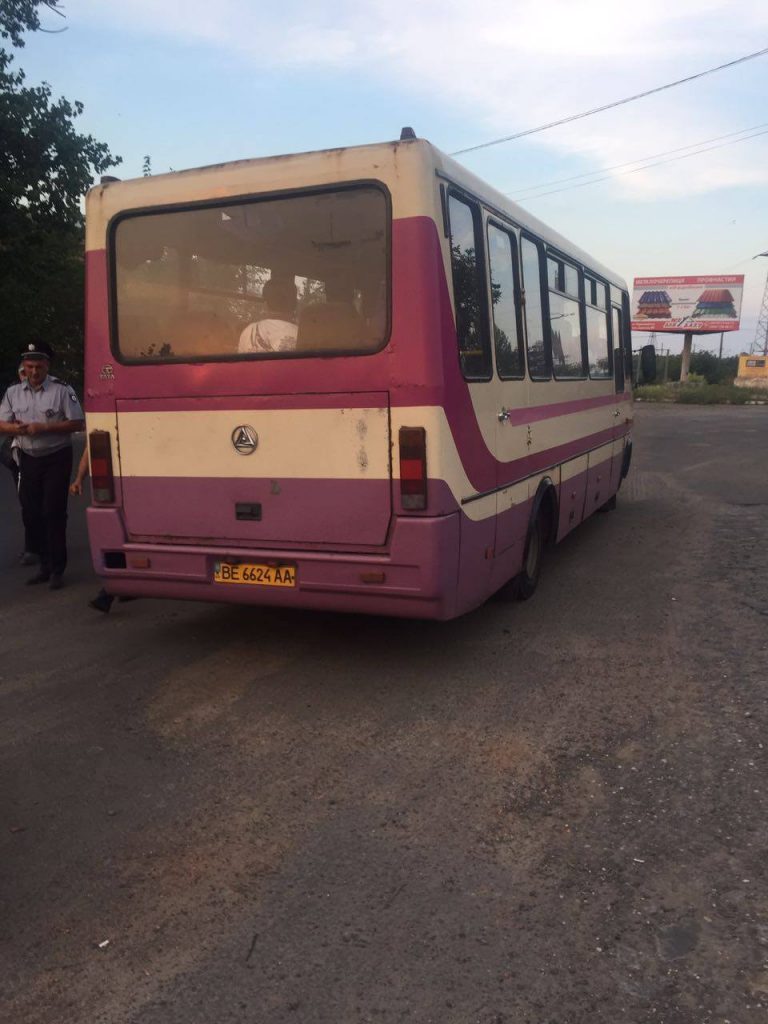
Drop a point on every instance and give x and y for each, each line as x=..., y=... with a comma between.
x=413, y=468
x=102, y=477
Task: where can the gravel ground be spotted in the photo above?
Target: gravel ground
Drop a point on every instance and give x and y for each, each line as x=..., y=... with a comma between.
x=552, y=812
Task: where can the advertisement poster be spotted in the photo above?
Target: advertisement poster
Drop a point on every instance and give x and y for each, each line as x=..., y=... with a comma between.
x=680, y=304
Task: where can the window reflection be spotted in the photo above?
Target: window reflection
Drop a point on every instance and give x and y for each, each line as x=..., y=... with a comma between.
x=509, y=356
x=566, y=336
x=619, y=365
x=554, y=273
x=538, y=366
x=597, y=342
x=474, y=352
x=571, y=282
x=299, y=274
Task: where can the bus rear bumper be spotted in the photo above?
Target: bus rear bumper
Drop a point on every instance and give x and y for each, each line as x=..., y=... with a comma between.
x=414, y=577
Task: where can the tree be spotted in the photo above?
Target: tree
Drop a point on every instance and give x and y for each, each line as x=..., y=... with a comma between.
x=17, y=16
x=46, y=166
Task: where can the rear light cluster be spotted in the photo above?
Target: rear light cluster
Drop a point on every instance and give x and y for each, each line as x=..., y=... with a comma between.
x=413, y=468
x=102, y=477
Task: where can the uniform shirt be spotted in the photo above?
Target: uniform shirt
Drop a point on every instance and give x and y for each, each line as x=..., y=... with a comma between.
x=53, y=402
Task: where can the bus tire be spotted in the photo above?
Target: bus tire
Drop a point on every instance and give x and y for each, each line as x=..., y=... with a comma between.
x=523, y=586
x=626, y=462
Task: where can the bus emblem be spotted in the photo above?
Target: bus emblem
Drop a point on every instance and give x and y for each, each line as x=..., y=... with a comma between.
x=245, y=439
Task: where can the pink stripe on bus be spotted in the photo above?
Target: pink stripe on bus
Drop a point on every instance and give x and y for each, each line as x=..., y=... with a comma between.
x=536, y=413
x=310, y=511
x=513, y=472
x=347, y=400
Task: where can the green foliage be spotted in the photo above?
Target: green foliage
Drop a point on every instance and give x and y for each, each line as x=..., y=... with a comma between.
x=717, y=394
x=46, y=166
x=700, y=394
x=17, y=16
x=706, y=364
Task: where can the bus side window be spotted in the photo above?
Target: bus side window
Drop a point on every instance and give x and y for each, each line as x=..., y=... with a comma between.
x=626, y=337
x=618, y=360
x=469, y=289
x=505, y=304
x=565, y=319
x=538, y=357
x=598, y=346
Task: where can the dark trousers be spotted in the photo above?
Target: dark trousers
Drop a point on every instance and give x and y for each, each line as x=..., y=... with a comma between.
x=31, y=533
x=7, y=459
x=43, y=492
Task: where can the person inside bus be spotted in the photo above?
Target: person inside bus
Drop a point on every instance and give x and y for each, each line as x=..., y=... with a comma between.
x=277, y=330
x=334, y=323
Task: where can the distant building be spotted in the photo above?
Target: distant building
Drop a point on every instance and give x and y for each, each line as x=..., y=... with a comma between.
x=753, y=372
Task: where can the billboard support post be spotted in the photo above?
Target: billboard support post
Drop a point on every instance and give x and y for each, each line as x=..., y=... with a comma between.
x=720, y=353
x=685, y=364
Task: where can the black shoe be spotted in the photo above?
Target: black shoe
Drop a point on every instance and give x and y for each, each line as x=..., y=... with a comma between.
x=102, y=602
x=40, y=577
x=56, y=581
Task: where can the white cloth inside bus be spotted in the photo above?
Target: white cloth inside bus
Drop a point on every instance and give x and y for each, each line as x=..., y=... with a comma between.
x=268, y=336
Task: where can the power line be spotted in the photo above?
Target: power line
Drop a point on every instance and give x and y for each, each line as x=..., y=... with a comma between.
x=740, y=263
x=609, y=106
x=645, y=167
x=629, y=163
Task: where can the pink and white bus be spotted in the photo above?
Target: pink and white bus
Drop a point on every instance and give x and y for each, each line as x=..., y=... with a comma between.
x=358, y=379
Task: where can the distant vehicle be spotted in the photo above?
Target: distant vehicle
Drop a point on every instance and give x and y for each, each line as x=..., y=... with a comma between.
x=358, y=379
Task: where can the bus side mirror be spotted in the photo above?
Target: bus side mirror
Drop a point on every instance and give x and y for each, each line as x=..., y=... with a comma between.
x=647, y=364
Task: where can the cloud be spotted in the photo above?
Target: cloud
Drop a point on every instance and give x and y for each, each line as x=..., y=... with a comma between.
x=502, y=66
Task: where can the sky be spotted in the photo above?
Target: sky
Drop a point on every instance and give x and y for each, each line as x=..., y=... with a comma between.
x=194, y=82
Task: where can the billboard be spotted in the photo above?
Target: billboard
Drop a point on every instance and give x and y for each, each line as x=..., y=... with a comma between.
x=680, y=304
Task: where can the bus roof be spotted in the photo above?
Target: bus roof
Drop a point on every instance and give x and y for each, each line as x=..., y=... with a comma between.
x=388, y=160
x=465, y=179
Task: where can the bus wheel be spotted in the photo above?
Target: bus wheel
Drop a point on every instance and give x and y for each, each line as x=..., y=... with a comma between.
x=526, y=582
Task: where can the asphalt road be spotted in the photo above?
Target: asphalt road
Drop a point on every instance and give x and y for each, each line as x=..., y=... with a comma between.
x=544, y=813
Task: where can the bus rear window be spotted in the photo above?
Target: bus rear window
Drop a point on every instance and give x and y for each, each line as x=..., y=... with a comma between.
x=295, y=275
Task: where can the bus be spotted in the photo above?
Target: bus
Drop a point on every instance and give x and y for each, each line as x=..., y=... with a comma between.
x=359, y=380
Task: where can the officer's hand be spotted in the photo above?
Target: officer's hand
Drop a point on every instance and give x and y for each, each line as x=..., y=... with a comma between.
x=33, y=428
x=18, y=428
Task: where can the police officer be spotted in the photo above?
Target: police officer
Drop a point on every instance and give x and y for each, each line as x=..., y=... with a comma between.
x=42, y=414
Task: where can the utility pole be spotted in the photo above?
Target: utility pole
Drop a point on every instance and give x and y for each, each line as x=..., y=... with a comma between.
x=720, y=353
x=762, y=321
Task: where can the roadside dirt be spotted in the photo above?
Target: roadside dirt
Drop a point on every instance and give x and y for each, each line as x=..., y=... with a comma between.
x=544, y=813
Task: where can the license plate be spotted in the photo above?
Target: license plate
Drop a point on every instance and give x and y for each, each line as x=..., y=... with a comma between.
x=255, y=574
